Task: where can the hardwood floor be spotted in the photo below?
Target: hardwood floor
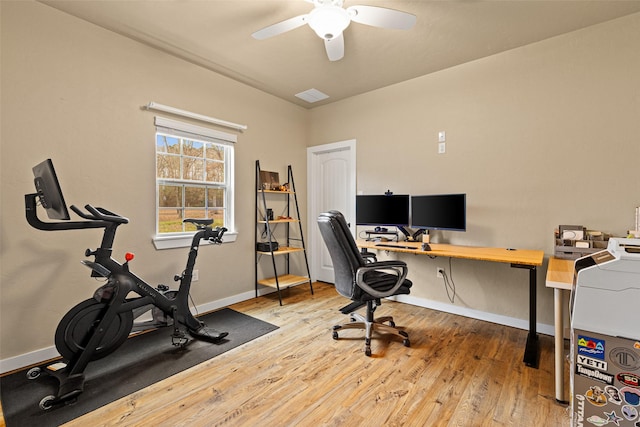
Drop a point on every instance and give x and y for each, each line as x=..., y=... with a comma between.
x=458, y=372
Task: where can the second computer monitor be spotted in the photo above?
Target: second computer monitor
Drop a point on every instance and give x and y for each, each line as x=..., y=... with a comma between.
x=439, y=212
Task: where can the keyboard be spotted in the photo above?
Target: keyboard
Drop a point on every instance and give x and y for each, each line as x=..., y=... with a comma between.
x=383, y=245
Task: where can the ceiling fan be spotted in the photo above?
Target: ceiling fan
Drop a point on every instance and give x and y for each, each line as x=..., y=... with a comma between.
x=329, y=19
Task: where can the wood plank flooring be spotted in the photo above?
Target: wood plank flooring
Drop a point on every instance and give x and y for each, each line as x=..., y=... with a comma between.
x=457, y=372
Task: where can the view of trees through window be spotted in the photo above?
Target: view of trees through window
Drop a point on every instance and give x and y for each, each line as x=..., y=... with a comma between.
x=190, y=176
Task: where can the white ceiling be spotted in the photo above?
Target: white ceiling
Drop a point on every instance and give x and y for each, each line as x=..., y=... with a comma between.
x=216, y=34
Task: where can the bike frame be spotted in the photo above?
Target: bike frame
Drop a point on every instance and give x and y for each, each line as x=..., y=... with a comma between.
x=118, y=275
x=120, y=283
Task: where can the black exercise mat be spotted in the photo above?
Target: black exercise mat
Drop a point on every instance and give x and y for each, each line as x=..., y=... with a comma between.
x=141, y=361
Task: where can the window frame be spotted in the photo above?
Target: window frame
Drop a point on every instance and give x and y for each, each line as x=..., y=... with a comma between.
x=177, y=129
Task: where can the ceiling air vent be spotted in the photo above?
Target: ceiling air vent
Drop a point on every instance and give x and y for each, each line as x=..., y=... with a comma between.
x=312, y=95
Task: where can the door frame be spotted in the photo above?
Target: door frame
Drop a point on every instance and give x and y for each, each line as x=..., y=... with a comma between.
x=313, y=193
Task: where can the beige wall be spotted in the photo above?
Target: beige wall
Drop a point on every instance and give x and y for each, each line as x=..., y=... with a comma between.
x=539, y=136
x=72, y=91
x=536, y=137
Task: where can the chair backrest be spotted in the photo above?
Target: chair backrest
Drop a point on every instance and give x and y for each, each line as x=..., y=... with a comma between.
x=343, y=250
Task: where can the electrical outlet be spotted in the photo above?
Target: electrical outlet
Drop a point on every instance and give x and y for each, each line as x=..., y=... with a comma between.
x=195, y=276
x=439, y=272
x=442, y=148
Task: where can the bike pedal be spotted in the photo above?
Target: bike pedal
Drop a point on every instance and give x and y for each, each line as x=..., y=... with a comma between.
x=208, y=334
x=179, y=340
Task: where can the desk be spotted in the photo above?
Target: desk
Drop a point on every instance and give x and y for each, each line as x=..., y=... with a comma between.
x=560, y=278
x=521, y=258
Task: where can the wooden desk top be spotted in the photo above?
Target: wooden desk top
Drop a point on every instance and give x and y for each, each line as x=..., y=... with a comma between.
x=518, y=256
x=560, y=273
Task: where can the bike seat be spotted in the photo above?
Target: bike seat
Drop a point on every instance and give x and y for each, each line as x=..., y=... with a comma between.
x=199, y=221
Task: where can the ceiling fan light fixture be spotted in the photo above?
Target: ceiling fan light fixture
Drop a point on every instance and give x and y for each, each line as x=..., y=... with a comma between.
x=328, y=21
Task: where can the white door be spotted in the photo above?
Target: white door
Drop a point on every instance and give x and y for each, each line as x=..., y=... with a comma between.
x=331, y=182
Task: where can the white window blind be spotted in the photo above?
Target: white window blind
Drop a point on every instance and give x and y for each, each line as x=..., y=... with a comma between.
x=188, y=130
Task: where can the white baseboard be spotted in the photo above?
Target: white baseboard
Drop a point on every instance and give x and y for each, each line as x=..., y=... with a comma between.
x=27, y=359
x=541, y=328
x=39, y=356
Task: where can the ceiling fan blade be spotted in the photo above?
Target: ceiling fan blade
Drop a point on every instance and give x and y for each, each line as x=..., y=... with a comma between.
x=280, y=27
x=382, y=17
x=335, y=48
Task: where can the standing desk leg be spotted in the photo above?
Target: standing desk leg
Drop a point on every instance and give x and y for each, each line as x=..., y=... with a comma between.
x=559, y=343
x=532, y=346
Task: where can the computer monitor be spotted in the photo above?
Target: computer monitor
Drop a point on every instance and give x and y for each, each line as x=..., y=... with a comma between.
x=49, y=192
x=385, y=210
x=439, y=212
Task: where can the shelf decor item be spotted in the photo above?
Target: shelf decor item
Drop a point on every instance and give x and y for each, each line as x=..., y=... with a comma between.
x=269, y=181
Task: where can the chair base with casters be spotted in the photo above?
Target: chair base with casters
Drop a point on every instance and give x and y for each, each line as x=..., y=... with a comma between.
x=371, y=325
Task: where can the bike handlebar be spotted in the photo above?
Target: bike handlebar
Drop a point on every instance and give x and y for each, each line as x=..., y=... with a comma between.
x=31, y=214
x=99, y=214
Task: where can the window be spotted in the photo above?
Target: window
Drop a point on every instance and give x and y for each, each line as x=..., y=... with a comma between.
x=194, y=177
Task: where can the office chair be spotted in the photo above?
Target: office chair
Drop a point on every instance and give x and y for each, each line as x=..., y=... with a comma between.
x=361, y=281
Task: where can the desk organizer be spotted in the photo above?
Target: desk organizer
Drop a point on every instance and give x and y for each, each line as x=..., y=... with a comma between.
x=573, y=242
x=371, y=235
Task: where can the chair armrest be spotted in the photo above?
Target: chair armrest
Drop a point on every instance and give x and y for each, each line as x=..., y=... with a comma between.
x=398, y=267
x=369, y=257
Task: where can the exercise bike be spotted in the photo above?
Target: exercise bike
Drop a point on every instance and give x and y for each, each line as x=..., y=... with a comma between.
x=98, y=326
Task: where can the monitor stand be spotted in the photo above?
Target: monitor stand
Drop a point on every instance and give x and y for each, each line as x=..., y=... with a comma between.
x=404, y=231
x=413, y=236
x=416, y=236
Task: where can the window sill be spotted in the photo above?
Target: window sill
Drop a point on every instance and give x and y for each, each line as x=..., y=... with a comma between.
x=184, y=240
